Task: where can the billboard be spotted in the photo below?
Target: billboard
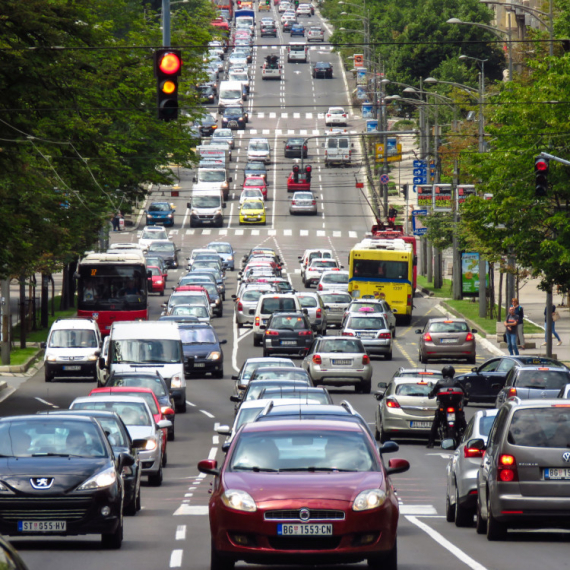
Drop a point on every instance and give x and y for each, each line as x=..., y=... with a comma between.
x=464, y=191
x=470, y=274
x=358, y=60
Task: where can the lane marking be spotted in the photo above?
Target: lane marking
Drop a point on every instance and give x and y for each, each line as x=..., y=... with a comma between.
x=213, y=452
x=216, y=439
x=191, y=510
x=190, y=404
x=207, y=413
x=181, y=532
x=176, y=558
x=418, y=510
x=46, y=403
x=186, y=217
x=189, y=495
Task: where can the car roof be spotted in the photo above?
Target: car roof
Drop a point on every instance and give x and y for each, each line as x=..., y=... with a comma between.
x=517, y=403
x=409, y=380
x=114, y=398
x=303, y=425
x=425, y=371
x=543, y=367
x=258, y=381
x=286, y=368
x=445, y=320
x=74, y=323
x=40, y=417
x=268, y=358
x=355, y=315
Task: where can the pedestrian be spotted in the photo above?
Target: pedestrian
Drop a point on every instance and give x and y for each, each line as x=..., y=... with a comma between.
x=116, y=221
x=555, y=317
x=511, y=333
x=392, y=213
x=519, y=312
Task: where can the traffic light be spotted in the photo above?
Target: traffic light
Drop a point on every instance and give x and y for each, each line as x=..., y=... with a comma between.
x=405, y=191
x=267, y=2
x=296, y=173
x=167, y=68
x=308, y=170
x=541, y=177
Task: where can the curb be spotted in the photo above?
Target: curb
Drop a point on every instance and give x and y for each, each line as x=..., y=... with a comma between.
x=23, y=367
x=3, y=386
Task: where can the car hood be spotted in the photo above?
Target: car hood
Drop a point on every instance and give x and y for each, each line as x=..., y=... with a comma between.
x=163, y=254
x=265, y=487
x=67, y=472
x=141, y=432
x=194, y=349
x=159, y=214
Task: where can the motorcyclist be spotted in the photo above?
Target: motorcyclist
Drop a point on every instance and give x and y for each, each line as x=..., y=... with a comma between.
x=447, y=381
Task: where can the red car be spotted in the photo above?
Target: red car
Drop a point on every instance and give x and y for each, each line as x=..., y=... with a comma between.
x=148, y=396
x=256, y=182
x=303, y=492
x=156, y=280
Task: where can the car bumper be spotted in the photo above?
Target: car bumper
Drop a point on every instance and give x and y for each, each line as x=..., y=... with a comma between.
x=341, y=377
x=377, y=346
x=87, y=369
x=303, y=210
x=160, y=221
x=202, y=366
x=243, y=318
x=335, y=317
x=300, y=347
x=401, y=422
x=267, y=547
x=150, y=461
x=245, y=221
x=208, y=220
x=467, y=350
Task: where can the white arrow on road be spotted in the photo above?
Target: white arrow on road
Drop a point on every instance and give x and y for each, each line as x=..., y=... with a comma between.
x=296, y=72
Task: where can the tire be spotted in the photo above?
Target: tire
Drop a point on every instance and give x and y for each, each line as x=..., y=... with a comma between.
x=164, y=459
x=422, y=359
x=388, y=356
x=386, y=561
x=131, y=509
x=223, y=296
x=449, y=510
x=182, y=407
x=394, y=332
x=138, y=502
x=366, y=387
x=239, y=325
x=156, y=479
x=463, y=516
x=171, y=435
x=48, y=377
x=495, y=529
x=376, y=432
x=472, y=360
x=383, y=436
x=256, y=341
x=218, y=374
x=114, y=540
x=162, y=293
x=219, y=562
x=480, y=523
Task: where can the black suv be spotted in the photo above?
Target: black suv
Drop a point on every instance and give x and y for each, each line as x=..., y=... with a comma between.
x=288, y=333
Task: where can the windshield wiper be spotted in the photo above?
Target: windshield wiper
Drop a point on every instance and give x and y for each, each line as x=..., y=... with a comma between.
x=255, y=469
x=318, y=469
x=57, y=455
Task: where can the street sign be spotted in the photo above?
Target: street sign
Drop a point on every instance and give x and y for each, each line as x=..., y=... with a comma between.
x=420, y=179
x=358, y=60
x=420, y=163
x=420, y=172
x=397, y=157
x=417, y=222
x=371, y=125
x=384, y=179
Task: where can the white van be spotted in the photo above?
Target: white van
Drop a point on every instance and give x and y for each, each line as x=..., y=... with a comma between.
x=230, y=93
x=338, y=147
x=297, y=51
x=149, y=346
x=212, y=178
x=206, y=208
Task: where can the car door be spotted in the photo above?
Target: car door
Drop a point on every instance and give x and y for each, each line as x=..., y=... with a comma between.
x=496, y=380
x=306, y=363
x=502, y=394
x=477, y=384
x=390, y=317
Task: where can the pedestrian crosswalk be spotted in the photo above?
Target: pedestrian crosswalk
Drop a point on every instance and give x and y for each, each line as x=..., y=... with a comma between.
x=311, y=48
x=287, y=115
x=278, y=132
x=269, y=232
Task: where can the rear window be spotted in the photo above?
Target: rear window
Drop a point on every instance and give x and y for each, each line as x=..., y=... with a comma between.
x=543, y=379
x=252, y=295
x=540, y=427
x=288, y=323
x=270, y=306
x=330, y=263
x=335, y=278
x=332, y=143
x=367, y=323
x=342, y=299
x=343, y=143
x=418, y=389
x=341, y=345
x=307, y=302
x=452, y=327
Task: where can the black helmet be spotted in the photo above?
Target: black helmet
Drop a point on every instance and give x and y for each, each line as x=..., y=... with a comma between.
x=448, y=371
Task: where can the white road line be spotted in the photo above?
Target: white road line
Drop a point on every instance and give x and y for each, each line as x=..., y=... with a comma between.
x=191, y=510
x=304, y=232
x=337, y=234
x=458, y=553
x=213, y=452
x=190, y=404
x=46, y=403
x=207, y=413
x=181, y=532
x=189, y=495
x=272, y=115
x=186, y=217
x=296, y=115
x=216, y=426
x=216, y=439
x=190, y=232
x=285, y=115
x=352, y=235
x=231, y=214
x=287, y=232
x=321, y=233
x=176, y=558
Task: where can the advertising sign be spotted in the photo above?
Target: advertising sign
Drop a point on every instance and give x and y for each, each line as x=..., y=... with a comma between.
x=397, y=157
x=418, y=222
x=371, y=125
x=470, y=274
x=425, y=195
x=361, y=73
x=463, y=192
x=358, y=60
x=361, y=92
x=442, y=198
x=368, y=112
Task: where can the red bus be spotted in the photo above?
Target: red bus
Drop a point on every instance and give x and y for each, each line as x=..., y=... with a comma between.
x=112, y=287
x=391, y=231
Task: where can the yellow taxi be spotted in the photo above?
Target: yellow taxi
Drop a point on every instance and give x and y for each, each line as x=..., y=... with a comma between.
x=252, y=212
x=264, y=5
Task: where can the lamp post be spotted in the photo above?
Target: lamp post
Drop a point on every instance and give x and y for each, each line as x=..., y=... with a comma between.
x=497, y=32
x=481, y=95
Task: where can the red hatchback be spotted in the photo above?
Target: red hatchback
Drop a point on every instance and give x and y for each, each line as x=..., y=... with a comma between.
x=256, y=182
x=303, y=492
x=156, y=280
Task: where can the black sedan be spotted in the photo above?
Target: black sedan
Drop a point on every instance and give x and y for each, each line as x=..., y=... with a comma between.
x=323, y=69
x=295, y=147
x=165, y=249
x=268, y=30
x=255, y=169
x=207, y=94
x=484, y=383
x=202, y=349
x=233, y=118
x=206, y=126
x=121, y=442
x=288, y=333
x=67, y=482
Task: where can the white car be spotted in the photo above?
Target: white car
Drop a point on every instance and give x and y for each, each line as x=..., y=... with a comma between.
x=259, y=150
x=316, y=268
x=285, y=6
x=315, y=34
x=304, y=10
x=290, y=17
x=310, y=254
x=198, y=311
x=250, y=193
x=336, y=116
x=150, y=234
x=333, y=281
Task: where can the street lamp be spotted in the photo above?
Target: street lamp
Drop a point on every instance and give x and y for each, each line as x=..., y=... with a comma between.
x=497, y=32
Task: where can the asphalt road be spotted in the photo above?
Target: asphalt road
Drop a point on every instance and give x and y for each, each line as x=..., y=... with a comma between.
x=172, y=529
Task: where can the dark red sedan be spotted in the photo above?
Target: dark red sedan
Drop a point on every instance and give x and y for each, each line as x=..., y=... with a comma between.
x=155, y=280
x=303, y=492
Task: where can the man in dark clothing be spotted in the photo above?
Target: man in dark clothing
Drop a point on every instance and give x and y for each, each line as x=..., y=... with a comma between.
x=392, y=213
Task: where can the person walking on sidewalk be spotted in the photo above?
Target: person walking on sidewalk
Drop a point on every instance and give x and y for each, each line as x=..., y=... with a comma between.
x=511, y=325
x=554, y=319
x=392, y=213
x=519, y=312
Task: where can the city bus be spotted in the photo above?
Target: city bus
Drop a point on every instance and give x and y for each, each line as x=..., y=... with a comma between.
x=112, y=287
x=383, y=269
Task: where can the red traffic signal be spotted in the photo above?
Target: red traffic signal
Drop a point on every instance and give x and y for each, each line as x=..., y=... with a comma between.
x=296, y=168
x=308, y=170
x=541, y=167
x=541, y=164
x=296, y=173
x=167, y=68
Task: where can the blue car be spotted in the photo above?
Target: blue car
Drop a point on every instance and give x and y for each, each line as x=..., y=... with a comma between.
x=297, y=30
x=226, y=252
x=161, y=213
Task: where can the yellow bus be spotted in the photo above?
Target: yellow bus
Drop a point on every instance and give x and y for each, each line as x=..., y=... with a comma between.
x=383, y=269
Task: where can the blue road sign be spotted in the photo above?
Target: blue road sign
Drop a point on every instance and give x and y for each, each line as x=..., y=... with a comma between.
x=420, y=171
x=420, y=163
x=417, y=222
x=384, y=179
x=420, y=179
x=371, y=126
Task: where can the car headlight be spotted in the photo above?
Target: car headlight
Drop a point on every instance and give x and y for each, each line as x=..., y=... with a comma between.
x=369, y=499
x=231, y=258
x=148, y=216
x=51, y=358
x=176, y=382
x=194, y=212
x=92, y=357
x=225, y=185
x=239, y=500
x=151, y=444
x=169, y=216
x=218, y=213
x=159, y=281
x=100, y=480
x=214, y=355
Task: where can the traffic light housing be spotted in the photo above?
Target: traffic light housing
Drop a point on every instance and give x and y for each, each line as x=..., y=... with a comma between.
x=541, y=167
x=167, y=69
x=405, y=191
x=267, y=2
x=296, y=173
x=308, y=170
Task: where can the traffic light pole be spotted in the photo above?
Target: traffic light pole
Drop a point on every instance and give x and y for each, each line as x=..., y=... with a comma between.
x=166, y=23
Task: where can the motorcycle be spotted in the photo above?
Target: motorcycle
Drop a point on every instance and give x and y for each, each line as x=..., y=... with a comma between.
x=452, y=423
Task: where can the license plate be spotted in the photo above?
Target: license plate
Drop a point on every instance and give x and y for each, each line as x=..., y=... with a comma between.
x=450, y=417
x=420, y=425
x=72, y=367
x=342, y=362
x=557, y=473
x=233, y=124
x=448, y=340
x=367, y=335
x=289, y=342
x=337, y=309
x=304, y=529
x=42, y=526
x=199, y=365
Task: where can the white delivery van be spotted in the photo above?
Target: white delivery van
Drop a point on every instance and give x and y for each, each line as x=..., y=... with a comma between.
x=230, y=93
x=212, y=178
x=297, y=51
x=149, y=346
x=206, y=208
x=271, y=69
x=338, y=147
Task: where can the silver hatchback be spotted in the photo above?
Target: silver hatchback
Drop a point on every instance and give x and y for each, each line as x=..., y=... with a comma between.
x=303, y=203
x=315, y=310
x=372, y=330
x=336, y=304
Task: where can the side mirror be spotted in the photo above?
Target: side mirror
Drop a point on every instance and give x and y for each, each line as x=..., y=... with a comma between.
x=448, y=444
x=139, y=443
x=167, y=411
x=226, y=446
x=496, y=386
x=389, y=447
x=126, y=460
x=208, y=466
x=418, y=331
x=382, y=385
x=342, y=266
x=102, y=364
x=97, y=352
x=178, y=249
x=474, y=331
x=224, y=341
x=397, y=466
x=188, y=204
x=379, y=395
x=234, y=377
x=234, y=297
x=235, y=398
x=230, y=179
x=194, y=179
x=43, y=345
x=351, y=145
x=474, y=369
x=163, y=424
x=224, y=205
x=224, y=430
x=164, y=305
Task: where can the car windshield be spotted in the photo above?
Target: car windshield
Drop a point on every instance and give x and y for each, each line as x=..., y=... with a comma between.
x=232, y=93
x=258, y=146
x=335, y=278
x=448, y=327
x=204, y=263
x=162, y=247
x=258, y=387
x=132, y=413
x=252, y=296
x=197, y=336
x=252, y=206
x=419, y=389
x=207, y=201
x=154, y=271
x=252, y=193
x=200, y=279
x=232, y=113
x=152, y=382
x=146, y=396
x=375, y=268
x=246, y=416
x=314, y=397
x=341, y=345
x=198, y=311
x=255, y=166
x=159, y=207
x=73, y=338
x=540, y=427
x=272, y=304
x=543, y=380
x=315, y=450
x=59, y=436
x=147, y=351
x=334, y=299
x=355, y=307
x=220, y=247
x=223, y=133
x=307, y=302
x=154, y=234
x=367, y=323
x=485, y=424
x=336, y=111
x=211, y=175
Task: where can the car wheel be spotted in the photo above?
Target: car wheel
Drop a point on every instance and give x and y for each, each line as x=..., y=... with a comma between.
x=218, y=374
x=388, y=356
x=138, y=502
x=471, y=360
x=394, y=332
x=480, y=523
x=171, y=435
x=156, y=479
x=495, y=529
x=463, y=516
x=449, y=509
x=182, y=407
x=256, y=341
x=386, y=561
x=162, y=293
x=219, y=562
x=48, y=377
x=383, y=437
x=366, y=387
x=164, y=458
x=114, y=540
x=131, y=509
x=422, y=359
x=239, y=325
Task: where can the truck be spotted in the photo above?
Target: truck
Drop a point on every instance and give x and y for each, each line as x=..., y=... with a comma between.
x=213, y=152
x=245, y=14
x=213, y=178
x=297, y=51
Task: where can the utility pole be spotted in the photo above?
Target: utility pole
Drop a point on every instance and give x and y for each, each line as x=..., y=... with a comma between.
x=549, y=322
x=437, y=276
x=457, y=286
x=6, y=318
x=384, y=116
x=165, y=23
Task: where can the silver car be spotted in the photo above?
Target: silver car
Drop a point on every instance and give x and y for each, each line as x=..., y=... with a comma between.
x=372, y=330
x=339, y=361
x=317, y=267
x=315, y=310
x=377, y=306
x=333, y=281
x=315, y=34
x=246, y=303
x=252, y=364
x=303, y=203
x=461, y=494
x=336, y=303
x=223, y=135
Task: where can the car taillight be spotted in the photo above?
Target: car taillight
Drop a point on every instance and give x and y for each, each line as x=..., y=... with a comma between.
x=317, y=359
x=271, y=333
x=469, y=336
x=385, y=335
x=471, y=452
x=305, y=333
x=392, y=403
x=347, y=333
x=288, y=146
x=320, y=287
x=293, y=202
x=507, y=469
x=314, y=202
x=366, y=359
x=319, y=313
x=304, y=147
x=409, y=300
x=257, y=321
x=239, y=306
x=344, y=115
x=450, y=410
x=427, y=337
x=512, y=392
